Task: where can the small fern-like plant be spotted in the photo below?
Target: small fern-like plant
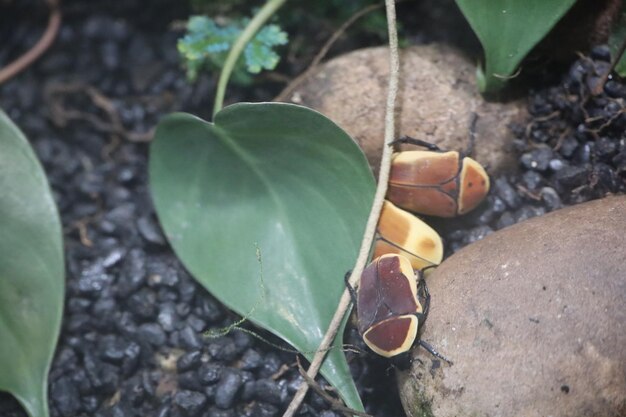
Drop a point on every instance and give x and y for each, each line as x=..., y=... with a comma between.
x=206, y=45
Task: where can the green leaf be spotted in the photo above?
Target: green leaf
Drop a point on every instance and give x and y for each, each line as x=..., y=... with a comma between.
x=617, y=39
x=279, y=176
x=31, y=272
x=508, y=30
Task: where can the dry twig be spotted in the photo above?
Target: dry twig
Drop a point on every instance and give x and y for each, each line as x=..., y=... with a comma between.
x=21, y=63
x=334, y=403
x=62, y=115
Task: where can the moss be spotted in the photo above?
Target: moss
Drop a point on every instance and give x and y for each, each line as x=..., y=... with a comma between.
x=422, y=406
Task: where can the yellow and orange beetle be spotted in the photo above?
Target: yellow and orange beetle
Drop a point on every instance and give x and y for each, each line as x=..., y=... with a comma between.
x=434, y=182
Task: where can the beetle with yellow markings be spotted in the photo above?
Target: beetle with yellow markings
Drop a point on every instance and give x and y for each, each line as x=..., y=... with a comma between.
x=392, y=304
x=434, y=182
x=400, y=232
x=392, y=300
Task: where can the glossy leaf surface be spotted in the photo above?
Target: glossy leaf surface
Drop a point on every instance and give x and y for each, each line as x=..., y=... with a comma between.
x=31, y=272
x=508, y=30
x=279, y=176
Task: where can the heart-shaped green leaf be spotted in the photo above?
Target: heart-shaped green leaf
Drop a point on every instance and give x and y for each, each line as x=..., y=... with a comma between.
x=508, y=30
x=279, y=176
x=31, y=272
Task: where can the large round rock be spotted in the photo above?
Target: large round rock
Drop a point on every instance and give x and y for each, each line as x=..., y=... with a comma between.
x=534, y=319
x=437, y=99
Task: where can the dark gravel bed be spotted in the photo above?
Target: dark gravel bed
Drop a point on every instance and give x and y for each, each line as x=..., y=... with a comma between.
x=131, y=342
x=572, y=150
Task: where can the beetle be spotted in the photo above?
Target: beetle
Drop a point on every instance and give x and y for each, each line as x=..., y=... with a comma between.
x=401, y=232
x=392, y=303
x=435, y=182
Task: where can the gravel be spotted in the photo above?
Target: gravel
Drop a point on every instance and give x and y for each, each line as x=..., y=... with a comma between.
x=128, y=299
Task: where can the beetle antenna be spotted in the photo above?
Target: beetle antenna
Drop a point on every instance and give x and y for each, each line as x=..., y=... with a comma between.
x=472, y=134
x=350, y=288
x=433, y=352
x=417, y=142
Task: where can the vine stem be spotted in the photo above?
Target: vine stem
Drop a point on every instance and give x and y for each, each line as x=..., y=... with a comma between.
x=372, y=221
x=248, y=33
x=21, y=63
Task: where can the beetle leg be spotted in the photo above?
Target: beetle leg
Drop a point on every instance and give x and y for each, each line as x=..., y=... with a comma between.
x=350, y=288
x=433, y=352
x=472, y=134
x=422, y=292
x=416, y=142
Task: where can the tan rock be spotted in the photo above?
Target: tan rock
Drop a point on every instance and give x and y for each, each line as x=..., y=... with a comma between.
x=534, y=319
x=437, y=97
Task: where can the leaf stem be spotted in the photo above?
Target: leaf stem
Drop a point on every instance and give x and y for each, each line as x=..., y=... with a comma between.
x=372, y=221
x=248, y=33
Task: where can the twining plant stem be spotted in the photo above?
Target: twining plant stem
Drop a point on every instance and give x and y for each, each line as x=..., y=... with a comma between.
x=370, y=228
x=248, y=33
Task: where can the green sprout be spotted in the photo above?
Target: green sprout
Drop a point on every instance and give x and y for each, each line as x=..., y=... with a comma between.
x=206, y=45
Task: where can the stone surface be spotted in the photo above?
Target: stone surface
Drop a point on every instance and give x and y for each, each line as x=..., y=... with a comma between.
x=436, y=99
x=533, y=318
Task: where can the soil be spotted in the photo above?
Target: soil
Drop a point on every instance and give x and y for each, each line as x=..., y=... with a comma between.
x=131, y=310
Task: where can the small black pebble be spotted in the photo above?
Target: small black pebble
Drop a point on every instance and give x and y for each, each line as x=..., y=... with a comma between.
x=210, y=373
x=532, y=179
x=262, y=409
x=152, y=333
x=268, y=391
x=550, y=198
x=556, y=164
x=601, y=53
x=112, y=349
x=537, y=159
x=605, y=147
x=90, y=403
x=571, y=176
x=227, y=389
x=65, y=397
x=507, y=193
x=216, y=412
x=189, y=361
x=149, y=230
x=190, y=402
x=615, y=89
x=477, y=233
x=565, y=389
x=251, y=360
x=223, y=349
x=189, y=381
x=190, y=338
x=568, y=146
x=167, y=317
x=143, y=304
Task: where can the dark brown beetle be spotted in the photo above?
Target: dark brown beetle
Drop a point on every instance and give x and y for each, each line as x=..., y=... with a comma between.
x=392, y=303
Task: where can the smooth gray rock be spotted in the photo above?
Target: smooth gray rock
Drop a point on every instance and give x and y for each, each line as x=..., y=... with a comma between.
x=534, y=319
